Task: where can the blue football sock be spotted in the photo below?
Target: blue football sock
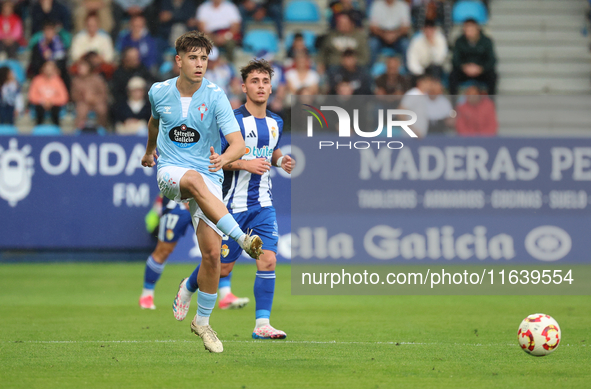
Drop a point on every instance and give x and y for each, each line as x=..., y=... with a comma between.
x=226, y=281
x=192, y=281
x=264, y=289
x=228, y=226
x=152, y=273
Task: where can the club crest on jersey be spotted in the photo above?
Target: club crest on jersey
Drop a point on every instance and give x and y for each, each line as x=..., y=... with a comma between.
x=225, y=250
x=274, y=132
x=202, y=108
x=183, y=136
x=169, y=234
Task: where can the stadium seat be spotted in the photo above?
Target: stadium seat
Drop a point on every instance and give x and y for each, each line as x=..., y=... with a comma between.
x=309, y=40
x=469, y=9
x=257, y=40
x=302, y=11
x=8, y=129
x=47, y=129
x=17, y=68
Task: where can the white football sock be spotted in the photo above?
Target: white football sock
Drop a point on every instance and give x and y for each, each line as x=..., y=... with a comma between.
x=223, y=291
x=202, y=320
x=241, y=241
x=186, y=295
x=147, y=292
x=262, y=322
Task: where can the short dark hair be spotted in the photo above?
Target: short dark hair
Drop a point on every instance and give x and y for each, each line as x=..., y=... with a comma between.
x=256, y=65
x=471, y=20
x=429, y=23
x=191, y=41
x=349, y=53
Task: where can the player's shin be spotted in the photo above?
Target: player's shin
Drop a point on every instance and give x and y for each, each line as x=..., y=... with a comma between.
x=264, y=290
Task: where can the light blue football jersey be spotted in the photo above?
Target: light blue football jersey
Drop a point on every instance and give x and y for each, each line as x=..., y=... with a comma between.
x=185, y=141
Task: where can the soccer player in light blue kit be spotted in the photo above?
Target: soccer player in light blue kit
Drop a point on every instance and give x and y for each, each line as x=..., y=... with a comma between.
x=247, y=190
x=188, y=114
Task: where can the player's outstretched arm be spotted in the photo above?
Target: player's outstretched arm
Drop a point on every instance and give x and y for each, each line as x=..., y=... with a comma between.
x=148, y=159
x=283, y=161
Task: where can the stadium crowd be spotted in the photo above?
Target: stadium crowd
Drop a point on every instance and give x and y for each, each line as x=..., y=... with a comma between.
x=96, y=59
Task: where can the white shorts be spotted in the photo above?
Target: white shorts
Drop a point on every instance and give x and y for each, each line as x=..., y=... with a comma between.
x=169, y=182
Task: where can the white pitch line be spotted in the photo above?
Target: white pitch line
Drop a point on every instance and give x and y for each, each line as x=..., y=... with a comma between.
x=275, y=342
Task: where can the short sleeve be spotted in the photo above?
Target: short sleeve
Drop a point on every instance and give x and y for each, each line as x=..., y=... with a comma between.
x=155, y=114
x=224, y=116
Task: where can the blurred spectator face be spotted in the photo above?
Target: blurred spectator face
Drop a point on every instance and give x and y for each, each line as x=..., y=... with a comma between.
x=92, y=25
x=344, y=89
x=302, y=62
x=436, y=89
x=429, y=32
x=49, y=32
x=7, y=8
x=132, y=58
x=473, y=95
x=49, y=69
x=425, y=84
x=393, y=66
x=137, y=25
x=299, y=44
x=471, y=31
x=344, y=24
x=349, y=62
x=217, y=2
x=83, y=68
x=136, y=89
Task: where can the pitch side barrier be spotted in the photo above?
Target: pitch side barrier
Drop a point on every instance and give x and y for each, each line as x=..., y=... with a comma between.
x=441, y=204
x=83, y=193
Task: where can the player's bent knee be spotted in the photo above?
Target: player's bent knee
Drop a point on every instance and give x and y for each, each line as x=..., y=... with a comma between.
x=267, y=261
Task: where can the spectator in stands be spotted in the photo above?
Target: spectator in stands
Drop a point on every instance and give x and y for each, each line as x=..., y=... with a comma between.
x=302, y=76
x=260, y=9
x=346, y=37
x=99, y=67
x=223, y=75
x=427, y=50
x=477, y=115
x=48, y=92
x=89, y=93
x=44, y=10
x=173, y=72
x=298, y=46
x=221, y=20
x=437, y=11
x=49, y=47
x=11, y=30
x=131, y=65
x=473, y=59
x=357, y=77
x=93, y=39
x=126, y=9
x=131, y=116
x=100, y=7
x=139, y=37
x=11, y=102
x=392, y=82
x=176, y=18
x=439, y=110
x=416, y=100
x=350, y=7
x=389, y=24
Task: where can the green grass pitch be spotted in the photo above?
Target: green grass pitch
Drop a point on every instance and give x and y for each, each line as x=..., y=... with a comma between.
x=79, y=326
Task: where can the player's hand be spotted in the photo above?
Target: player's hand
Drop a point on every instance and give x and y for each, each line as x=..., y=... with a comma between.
x=215, y=159
x=148, y=160
x=287, y=164
x=257, y=166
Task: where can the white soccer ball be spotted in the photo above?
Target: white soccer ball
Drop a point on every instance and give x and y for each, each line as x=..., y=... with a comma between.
x=539, y=334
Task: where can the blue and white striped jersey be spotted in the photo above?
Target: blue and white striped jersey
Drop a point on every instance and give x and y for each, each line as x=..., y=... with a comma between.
x=243, y=190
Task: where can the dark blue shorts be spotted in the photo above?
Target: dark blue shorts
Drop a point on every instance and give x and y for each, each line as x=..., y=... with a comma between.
x=173, y=224
x=263, y=222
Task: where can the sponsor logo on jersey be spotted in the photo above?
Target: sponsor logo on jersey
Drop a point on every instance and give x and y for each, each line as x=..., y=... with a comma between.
x=16, y=169
x=183, y=136
x=264, y=152
x=225, y=250
x=202, y=108
x=251, y=135
x=167, y=110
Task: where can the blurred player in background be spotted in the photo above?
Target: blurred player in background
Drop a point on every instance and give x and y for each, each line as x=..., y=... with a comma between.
x=172, y=220
x=188, y=115
x=247, y=189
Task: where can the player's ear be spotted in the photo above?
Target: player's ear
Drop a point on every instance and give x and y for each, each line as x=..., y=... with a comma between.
x=243, y=88
x=177, y=59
